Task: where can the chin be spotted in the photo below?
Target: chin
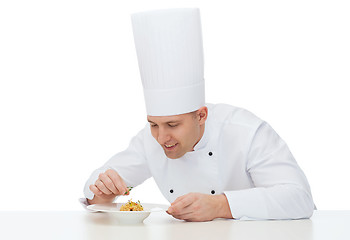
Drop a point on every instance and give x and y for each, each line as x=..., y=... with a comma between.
x=174, y=156
x=171, y=156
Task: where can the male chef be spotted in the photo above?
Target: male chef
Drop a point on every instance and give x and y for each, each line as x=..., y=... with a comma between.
x=208, y=160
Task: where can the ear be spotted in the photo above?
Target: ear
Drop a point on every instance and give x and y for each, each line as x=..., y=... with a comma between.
x=202, y=115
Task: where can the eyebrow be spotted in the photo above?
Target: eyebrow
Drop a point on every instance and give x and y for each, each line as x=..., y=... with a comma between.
x=174, y=121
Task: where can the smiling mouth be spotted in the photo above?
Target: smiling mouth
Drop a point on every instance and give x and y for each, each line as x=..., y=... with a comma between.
x=171, y=146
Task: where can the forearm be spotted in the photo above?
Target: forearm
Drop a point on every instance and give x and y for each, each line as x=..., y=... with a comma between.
x=278, y=202
x=223, y=208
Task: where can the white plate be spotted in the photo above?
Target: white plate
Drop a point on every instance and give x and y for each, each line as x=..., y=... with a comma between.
x=128, y=217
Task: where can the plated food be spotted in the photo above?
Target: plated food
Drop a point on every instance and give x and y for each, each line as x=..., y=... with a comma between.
x=131, y=206
x=128, y=216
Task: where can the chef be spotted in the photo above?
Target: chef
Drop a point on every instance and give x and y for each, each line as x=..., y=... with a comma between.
x=208, y=160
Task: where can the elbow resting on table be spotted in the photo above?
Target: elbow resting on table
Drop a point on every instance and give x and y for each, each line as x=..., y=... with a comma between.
x=298, y=203
x=307, y=201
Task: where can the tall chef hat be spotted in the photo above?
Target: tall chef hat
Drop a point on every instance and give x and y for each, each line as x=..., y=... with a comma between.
x=170, y=55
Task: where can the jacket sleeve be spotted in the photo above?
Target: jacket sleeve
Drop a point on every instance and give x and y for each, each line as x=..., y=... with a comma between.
x=281, y=190
x=130, y=164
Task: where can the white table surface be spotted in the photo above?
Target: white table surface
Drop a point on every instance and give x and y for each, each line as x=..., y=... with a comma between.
x=333, y=225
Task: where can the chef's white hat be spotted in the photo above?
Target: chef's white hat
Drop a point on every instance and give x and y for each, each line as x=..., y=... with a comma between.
x=170, y=56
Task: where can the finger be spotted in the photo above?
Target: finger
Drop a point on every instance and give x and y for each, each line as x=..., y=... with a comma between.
x=184, y=197
x=108, y=183
x=181, y=212
x=186, y=216
x=99, y=184
x=180, y=205
x=117, y=181
x=179, y=199
x=95, y=190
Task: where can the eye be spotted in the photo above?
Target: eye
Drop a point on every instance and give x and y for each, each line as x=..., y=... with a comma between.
x=173, y=125
x=154, y=125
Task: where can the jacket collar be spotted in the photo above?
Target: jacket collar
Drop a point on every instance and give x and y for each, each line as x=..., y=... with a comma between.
x=204, y=140
x=206, y=135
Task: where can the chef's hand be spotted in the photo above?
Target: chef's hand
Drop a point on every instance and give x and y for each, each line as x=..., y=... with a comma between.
x=108, y=185
x=200, y=207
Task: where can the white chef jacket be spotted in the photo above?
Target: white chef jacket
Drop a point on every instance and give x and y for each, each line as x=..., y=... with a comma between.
x=239, y=155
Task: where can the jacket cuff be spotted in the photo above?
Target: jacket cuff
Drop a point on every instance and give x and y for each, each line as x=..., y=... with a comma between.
x=84, y=203
x=247, y=204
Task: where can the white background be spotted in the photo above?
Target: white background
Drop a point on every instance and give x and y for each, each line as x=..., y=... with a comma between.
x=71, y=95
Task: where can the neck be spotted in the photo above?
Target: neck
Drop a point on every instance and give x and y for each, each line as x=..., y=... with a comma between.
x=201, y=133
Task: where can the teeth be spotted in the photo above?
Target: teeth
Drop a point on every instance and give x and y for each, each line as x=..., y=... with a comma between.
x=168, y=146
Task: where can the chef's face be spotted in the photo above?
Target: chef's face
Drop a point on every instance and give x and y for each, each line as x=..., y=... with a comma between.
x=178, y=134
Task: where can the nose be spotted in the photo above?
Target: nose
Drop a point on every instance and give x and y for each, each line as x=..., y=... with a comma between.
x=163, y=136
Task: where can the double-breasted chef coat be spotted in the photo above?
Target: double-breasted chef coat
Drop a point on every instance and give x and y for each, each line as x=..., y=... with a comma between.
x=239, y=155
